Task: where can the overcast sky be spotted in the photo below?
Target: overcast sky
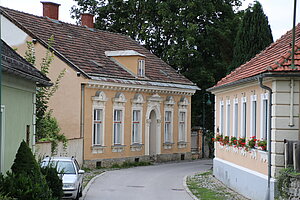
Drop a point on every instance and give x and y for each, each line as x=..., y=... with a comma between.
x=279, y=12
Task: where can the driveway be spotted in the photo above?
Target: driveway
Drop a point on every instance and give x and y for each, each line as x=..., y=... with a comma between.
x=156, y=182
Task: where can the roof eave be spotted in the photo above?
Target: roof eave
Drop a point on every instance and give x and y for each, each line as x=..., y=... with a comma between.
x=256, y=77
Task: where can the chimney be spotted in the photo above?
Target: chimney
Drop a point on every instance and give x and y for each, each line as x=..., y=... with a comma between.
x=87, y=20
x=50, y=9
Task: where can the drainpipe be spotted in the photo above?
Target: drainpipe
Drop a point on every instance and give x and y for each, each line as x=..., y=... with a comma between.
x=268, y=196
x=291, y=123
x=82, y=120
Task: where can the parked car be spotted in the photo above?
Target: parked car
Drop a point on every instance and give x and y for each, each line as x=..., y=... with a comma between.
x=72, y=175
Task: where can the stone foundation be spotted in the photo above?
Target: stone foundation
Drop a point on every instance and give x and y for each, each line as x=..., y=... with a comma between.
x=155, y=158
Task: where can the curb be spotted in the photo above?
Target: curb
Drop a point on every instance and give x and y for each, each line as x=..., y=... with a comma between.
x=188, y=190
x=87, y=187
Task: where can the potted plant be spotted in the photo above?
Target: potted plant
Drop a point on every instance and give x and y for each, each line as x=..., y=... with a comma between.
x=252, y=142
x=241, y=142
x=233, y=141
x=262, y=144
x=226, y=140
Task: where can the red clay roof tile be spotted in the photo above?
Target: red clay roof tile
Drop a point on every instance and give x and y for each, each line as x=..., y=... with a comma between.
x=80, y=45
x=276, y=57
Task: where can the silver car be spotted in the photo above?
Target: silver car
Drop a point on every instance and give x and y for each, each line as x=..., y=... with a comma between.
x=72, y=175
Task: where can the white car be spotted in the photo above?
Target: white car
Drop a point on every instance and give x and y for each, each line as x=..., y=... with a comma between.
x=72, y=175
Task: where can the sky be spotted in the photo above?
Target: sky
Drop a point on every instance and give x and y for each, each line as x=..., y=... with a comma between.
x=279, y=12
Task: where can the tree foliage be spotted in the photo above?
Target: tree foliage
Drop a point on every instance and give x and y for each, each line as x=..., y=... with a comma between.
x=25, y=180
x=253, y=36
x=47, y=127
x=194, y=36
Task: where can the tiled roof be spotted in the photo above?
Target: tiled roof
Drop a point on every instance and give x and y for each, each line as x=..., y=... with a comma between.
x=13, y=63
x=82, y=47
x=275, y=58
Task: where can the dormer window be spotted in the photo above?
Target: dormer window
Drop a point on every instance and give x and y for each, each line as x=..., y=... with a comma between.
x=141, y=68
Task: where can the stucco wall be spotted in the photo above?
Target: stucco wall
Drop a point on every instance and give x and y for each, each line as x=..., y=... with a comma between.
x=17, y=99
x=66, y=102
x=107, y=153
x=130, y=62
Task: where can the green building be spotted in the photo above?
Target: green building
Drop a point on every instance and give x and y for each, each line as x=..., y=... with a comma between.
x=18, y=88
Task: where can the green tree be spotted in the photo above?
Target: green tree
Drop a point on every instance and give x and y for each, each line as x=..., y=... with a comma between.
x=193, y=36
x=24, y=161
x=253, y=36
x=47, y=127
x=25, y=180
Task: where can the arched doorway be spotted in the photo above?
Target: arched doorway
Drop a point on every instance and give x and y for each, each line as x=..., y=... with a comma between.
x=152, y=133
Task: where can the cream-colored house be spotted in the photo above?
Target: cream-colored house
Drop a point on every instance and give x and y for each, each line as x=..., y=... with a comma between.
x=121, y=100
x=242, y=111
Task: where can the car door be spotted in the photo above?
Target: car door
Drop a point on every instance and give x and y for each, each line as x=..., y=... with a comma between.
x=80, y=176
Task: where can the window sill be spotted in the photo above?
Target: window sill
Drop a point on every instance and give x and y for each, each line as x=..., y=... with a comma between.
x=168, y=145
x=98, y=149
x=118, y=148
x=136, y=147
x=182, y=145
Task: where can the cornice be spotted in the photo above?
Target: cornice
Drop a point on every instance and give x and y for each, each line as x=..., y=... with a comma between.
x=139, y=88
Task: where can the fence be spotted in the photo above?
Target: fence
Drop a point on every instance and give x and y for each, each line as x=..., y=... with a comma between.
x=74, y=148
x=292, y=154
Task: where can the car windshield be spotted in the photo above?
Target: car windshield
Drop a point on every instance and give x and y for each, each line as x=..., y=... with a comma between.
x=65, y=167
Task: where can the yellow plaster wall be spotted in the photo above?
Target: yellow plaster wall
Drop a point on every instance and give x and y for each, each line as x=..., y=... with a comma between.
x=110, y=94
x=130, y=62
x=239, y=92
x=66, y=102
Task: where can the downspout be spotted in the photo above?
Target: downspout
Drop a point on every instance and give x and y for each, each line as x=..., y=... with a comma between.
x=291, y=123
x=268, y=196
x=82, y=119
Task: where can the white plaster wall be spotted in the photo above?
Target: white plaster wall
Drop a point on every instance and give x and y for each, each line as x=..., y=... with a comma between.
x=11, y=34
x=74, y=148
x=249, y=183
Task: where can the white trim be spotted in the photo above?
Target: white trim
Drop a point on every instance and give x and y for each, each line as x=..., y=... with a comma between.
x=221, y=120
x=185, y=126
x=253, y=116
x=2, y=139
x=215, y=114
x=153, y=104
x=137, y=104
x=141, y=68
x=235, y=127
x=145, y=86
x=169, y=106
x=123, y=53
x=228, y=108
x=99, y=102
x=264, y=97
x=243, y=117
x=119, y=104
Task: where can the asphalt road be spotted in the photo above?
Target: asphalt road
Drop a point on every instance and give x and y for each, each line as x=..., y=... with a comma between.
x=156, y=182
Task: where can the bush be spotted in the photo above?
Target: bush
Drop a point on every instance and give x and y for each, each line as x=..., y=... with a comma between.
x=25, y=161
x=53, y=180
x=25, y=181
x=24, y=187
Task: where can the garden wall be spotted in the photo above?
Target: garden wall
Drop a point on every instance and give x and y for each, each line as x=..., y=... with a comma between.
x=74, y=148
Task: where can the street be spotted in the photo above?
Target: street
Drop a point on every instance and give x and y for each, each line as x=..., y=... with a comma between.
x=157, y=182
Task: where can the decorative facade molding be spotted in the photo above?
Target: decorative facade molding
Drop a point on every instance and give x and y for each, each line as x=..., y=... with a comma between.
x=97, y=149
x=117, y=148
x=171, y=89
